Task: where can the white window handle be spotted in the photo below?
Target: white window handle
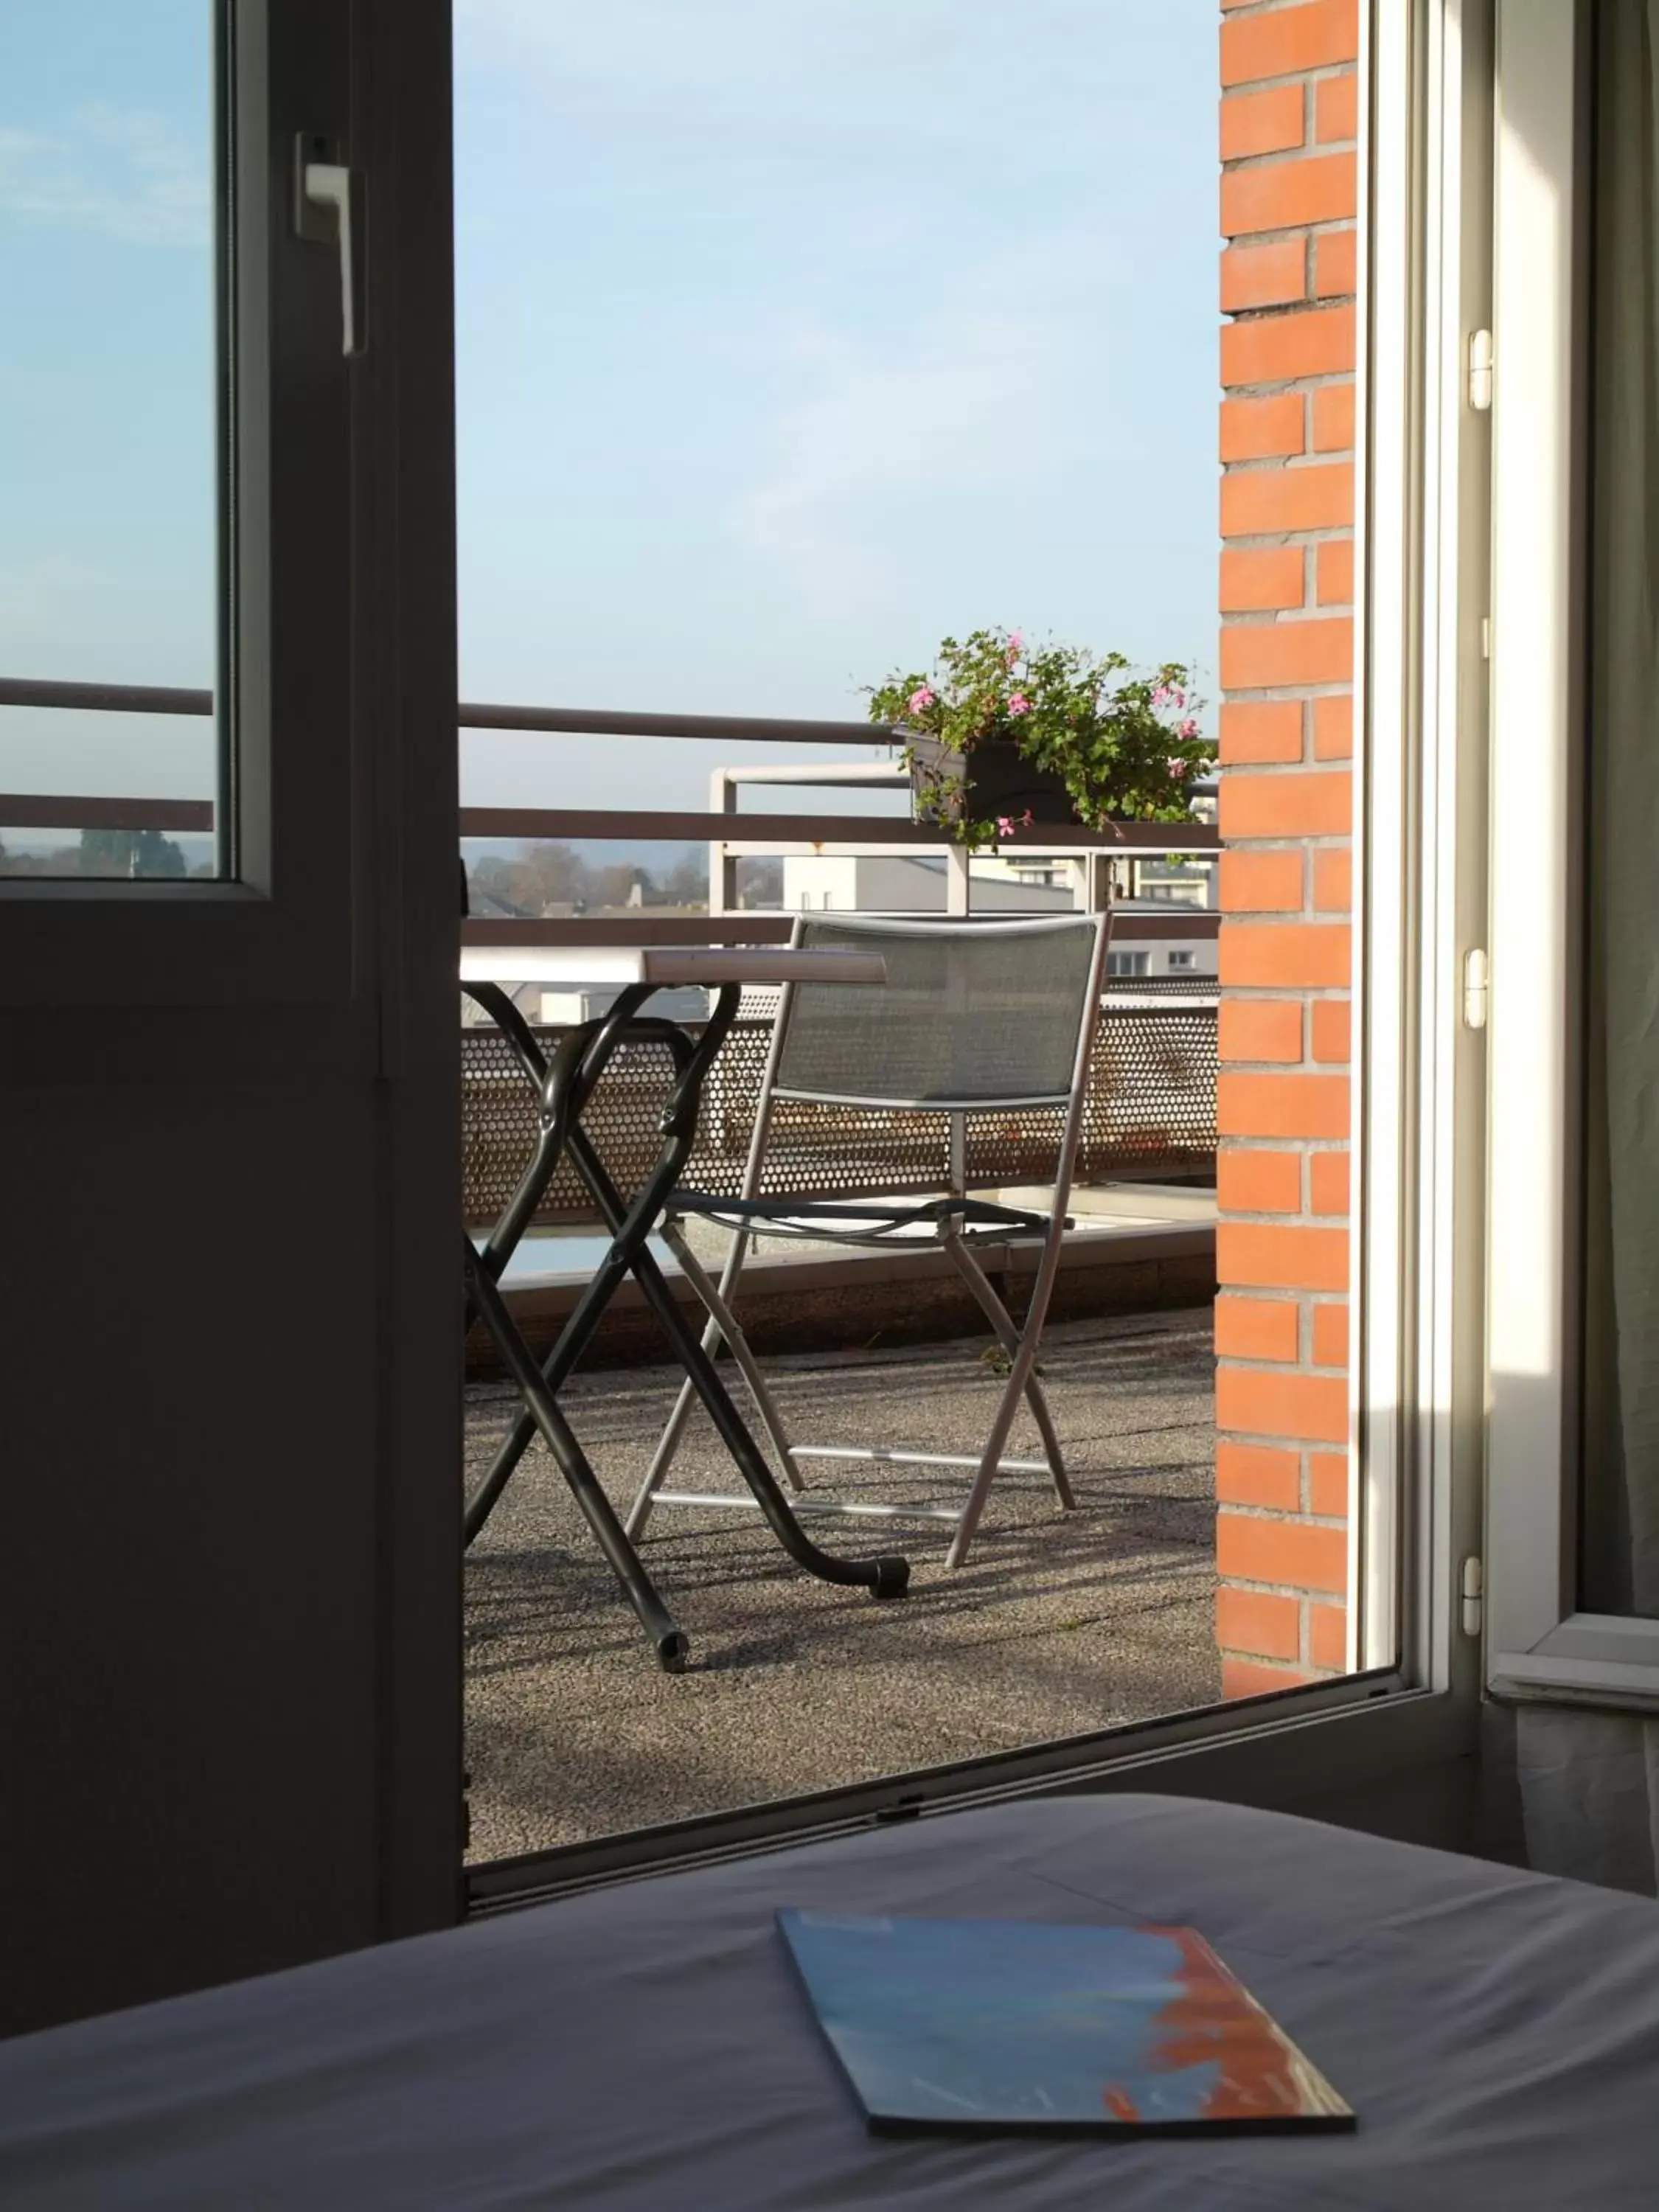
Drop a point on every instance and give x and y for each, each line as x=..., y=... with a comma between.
x=330, y=183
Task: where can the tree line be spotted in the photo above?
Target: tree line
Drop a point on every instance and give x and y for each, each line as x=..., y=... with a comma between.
x=555, y=876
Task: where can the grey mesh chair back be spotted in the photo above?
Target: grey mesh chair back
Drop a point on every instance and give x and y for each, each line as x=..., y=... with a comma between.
x=973, y=1014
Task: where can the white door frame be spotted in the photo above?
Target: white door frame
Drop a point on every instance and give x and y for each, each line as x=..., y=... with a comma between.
x=1540, y=1643
x=1344, y=1748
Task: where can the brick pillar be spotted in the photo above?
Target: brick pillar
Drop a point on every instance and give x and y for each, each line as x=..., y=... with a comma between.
x=1289, y=169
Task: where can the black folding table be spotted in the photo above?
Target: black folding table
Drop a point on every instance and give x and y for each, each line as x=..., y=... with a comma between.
x=563, y=1082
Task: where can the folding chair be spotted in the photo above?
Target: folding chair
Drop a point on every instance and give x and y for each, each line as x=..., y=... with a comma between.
x=975, y=1017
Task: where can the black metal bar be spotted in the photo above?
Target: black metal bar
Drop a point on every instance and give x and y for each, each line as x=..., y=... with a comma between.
x=630, y=1224
x=520, y=1209
x=473, y=714
x=610, y=722
x=565, y=1085
x=885, y=1577
x=106, y=698
x=552, y=1129
x=499, y=1005
x=476, y=714
x=46, y=809
x=669, y=1641
x=566, y=1088
x=553, y=1121
x=858, y=831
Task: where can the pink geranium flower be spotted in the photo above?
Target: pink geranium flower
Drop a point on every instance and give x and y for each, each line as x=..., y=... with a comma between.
x=1176, y=767
x=1018, y=703
x=1016, y=646
x=1160, y=695
x=1187, y=729
x=921, y=697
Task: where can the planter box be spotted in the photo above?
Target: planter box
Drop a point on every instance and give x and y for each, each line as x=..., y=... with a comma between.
x=1000, y=781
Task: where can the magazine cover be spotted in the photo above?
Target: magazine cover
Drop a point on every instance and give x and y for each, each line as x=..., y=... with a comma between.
x=1017, y=2024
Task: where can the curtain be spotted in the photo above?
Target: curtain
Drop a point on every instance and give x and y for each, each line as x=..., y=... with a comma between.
x=1590, y=1782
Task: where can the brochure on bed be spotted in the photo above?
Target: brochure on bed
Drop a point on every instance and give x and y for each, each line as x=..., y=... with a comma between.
x=1021, y=2025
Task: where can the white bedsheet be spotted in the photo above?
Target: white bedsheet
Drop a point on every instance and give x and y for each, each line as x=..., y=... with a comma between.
x=646, y=2046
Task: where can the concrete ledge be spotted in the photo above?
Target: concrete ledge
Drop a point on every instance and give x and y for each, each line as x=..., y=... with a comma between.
x=818, y=1302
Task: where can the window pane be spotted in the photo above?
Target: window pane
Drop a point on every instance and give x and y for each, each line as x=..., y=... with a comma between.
x=108, y=521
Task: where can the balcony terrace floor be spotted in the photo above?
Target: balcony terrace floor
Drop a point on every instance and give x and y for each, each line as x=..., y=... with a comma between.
x=1058, y=1625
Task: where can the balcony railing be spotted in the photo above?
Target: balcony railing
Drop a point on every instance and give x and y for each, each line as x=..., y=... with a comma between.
x=1150, y=1108
x=1149, y=1113
x=728, y=832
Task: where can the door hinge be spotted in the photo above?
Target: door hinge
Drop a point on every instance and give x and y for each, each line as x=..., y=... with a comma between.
x=1473, y=1587
x=1475, y=992
x=1480, y=370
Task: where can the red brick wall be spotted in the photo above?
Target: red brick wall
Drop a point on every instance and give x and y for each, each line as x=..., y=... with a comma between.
x=1288, y=187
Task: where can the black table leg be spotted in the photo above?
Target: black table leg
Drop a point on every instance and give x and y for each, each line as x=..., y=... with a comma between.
x=562, y=1086
x=669, y=1641
x=566, y=1089
x=888, y=1576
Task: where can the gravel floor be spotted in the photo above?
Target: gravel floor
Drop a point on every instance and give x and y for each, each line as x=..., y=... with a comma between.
x=1057, y=1625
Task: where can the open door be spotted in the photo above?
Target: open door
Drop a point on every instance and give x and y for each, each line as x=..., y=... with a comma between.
x=229, y=1327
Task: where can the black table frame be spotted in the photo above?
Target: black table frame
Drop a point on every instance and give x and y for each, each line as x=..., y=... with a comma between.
x=563, y=1084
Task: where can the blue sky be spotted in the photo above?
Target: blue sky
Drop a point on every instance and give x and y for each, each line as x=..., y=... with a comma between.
x=791, y=335
x=106, y=532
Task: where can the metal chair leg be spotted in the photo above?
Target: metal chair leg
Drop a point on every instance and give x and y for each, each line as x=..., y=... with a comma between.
x=1009, y=1337
x=1013, y=1390
x=1024, y=1359
x=725, y=1324
x=668, y=1445
x=885, y=1577
x=1023, y=1382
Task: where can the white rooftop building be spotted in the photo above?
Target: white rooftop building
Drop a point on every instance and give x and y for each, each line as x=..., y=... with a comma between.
x=880, y=882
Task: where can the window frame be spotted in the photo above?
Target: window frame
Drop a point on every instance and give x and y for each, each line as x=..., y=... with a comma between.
x=1420, y=1072
x=1412, y=1700
x=282, y=932
x=1542, y=1645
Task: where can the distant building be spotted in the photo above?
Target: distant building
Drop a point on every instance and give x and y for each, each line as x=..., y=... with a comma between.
x=1015, y=883
x=586, y=1002
x=900, y=882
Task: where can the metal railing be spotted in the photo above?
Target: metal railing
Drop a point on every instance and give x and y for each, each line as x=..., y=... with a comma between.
x=758, y=833
x=1151, y=1106
x=1149, y=1112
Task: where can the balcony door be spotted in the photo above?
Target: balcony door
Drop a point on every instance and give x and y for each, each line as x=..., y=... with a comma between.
x=1574, y=1469
x=229, y=1173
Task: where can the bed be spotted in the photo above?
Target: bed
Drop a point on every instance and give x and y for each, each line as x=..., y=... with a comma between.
x=646, y=2045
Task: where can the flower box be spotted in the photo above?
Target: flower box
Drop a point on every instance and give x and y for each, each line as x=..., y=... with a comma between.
x=1001, y=736
x=1001, y=784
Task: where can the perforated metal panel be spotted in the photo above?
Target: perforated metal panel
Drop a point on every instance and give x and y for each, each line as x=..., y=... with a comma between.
x=1150, y=1110
x=970, y=1013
